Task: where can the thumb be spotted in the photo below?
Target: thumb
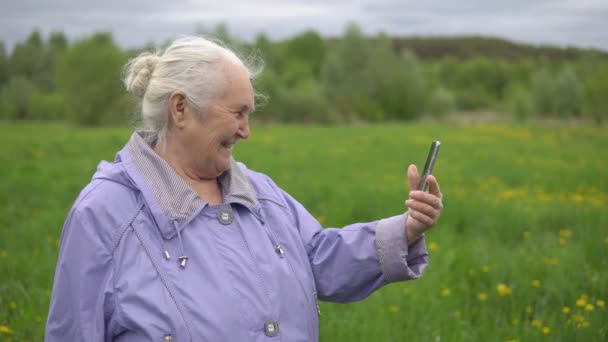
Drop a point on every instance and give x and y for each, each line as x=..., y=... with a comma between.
x=413, y=177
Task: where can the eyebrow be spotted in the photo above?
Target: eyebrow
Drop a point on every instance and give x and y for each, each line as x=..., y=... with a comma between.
x=246, y=108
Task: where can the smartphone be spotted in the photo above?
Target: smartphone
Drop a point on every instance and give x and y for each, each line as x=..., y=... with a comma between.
x=428, y=166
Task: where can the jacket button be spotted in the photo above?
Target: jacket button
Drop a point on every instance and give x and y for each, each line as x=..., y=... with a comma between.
x=225, y=216
x=271, y=328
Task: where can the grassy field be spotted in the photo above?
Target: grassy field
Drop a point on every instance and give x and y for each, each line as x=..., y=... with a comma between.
x=521, y=252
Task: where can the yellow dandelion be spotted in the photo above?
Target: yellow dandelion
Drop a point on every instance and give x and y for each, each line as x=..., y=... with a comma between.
x=581, y=302
x=472, y=272
x=482, y=296
x=583, y=324
x=551, y=261
x=446, y=292
x=13, y=305
x=515, y=321
x=546, y=330
x=566, y=309
x=526, y=234
x=485, y=268
x=5, y=330
x=515, y=340
x=529, y=309
x=578, y=318
x=536, y=283
x=393, y=308
x=562, y=241
x=589, y=307
x=503, y=290
x=537, y=323
x=600, y=303
x=565, y=233
x=4, y=253
x=433, y=246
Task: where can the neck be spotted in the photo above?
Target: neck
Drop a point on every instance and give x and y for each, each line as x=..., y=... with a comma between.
x=207, y=188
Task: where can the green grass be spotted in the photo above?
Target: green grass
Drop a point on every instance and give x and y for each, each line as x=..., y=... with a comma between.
x=522, y=204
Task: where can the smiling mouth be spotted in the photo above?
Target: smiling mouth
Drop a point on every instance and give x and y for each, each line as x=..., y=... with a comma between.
x=228, y=145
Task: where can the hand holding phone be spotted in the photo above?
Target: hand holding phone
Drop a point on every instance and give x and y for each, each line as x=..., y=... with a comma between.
x=424, y=208
x=428, y=166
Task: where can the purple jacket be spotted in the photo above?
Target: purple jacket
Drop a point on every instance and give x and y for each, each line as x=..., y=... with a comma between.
x=142, y=258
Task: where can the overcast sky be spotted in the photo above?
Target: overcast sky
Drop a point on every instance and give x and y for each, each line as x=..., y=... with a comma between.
x=582, y=23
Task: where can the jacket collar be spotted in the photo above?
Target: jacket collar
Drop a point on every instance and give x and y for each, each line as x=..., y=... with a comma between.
x=168, y=196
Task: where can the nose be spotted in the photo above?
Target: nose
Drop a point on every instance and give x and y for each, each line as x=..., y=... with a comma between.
x=243, y=131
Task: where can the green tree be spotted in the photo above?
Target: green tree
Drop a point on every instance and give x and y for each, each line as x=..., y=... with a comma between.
x=542, y=92
x=567, y=94
x=595, y=93
x=45, y=106
x=307, y=48
x=35, y=60
x=556, y=96
x=4, y=72
x=26, y=59
x=267, y=50
x=342, y=76
x=88, y=79
x=366, y=79
x=58, y=41
x=15, y=98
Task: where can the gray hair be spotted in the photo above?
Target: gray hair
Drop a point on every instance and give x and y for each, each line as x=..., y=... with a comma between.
x=189, y=64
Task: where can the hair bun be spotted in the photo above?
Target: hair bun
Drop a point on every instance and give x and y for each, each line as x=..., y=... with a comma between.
x=139, y=72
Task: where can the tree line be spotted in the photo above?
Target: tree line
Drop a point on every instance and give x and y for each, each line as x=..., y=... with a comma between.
x=351, y=78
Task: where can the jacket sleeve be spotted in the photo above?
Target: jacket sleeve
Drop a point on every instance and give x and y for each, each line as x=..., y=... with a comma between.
x=350, y=263
x=82, y=291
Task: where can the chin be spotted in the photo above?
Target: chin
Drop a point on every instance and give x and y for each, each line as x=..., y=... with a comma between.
x=223, y=167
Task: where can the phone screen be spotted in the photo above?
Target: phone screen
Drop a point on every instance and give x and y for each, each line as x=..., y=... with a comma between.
x=428, y=166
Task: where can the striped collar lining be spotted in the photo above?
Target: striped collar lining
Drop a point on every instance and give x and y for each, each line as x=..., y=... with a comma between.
x=174, y=195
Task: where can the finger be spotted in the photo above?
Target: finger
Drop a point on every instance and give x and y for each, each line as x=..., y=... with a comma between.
x=425, y=220
x=413, y=177
x=428, y=198
x=422, y=207
x=433, y=186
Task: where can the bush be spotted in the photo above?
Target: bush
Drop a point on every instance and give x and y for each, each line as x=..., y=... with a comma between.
x=520, y=104
x=567, y=94
x=557, y=97
x=303, y=103
x=441, y=103
x=595, y=94
x=15, y=98
x=88, y=78
x=542, y=92
x=46, y=106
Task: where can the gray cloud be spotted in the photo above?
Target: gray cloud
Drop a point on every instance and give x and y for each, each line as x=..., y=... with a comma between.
x=133, y=23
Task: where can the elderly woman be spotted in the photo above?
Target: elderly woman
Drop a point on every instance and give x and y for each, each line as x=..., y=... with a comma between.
x=176, y=241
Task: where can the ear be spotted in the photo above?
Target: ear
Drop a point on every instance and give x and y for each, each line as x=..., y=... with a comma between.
x=177, y=108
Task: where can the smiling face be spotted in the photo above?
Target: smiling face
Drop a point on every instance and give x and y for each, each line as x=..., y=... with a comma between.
x=203, y=142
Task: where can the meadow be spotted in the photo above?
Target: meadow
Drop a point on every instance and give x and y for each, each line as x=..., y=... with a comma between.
x=520, y=253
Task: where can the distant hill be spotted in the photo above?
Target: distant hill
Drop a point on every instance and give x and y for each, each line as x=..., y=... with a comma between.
x=473, y=46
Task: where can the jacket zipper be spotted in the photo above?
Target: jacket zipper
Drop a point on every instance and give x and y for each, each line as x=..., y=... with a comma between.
x=278, y=248
x=257, y=269
x=162, y=279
